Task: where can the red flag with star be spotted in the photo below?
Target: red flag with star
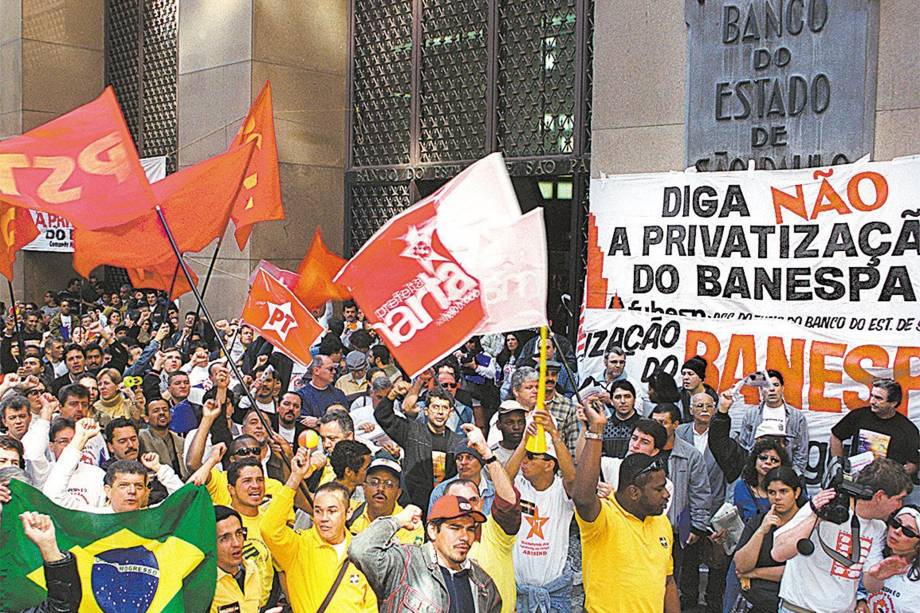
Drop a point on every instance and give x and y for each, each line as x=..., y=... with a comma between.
x=17, y=229
x=280, y=318
x=260, y=198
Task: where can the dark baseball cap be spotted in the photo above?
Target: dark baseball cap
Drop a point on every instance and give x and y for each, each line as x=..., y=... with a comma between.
x=452, y=507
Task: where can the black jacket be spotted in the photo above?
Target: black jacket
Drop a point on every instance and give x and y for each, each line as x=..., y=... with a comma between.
x=415, y=439
x=64, y=587
x=729, y=454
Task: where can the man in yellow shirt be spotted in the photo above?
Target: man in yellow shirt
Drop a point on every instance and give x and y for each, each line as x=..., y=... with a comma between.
x=381, y=491
x=239, y=584
x=626, y=540
x=315, y=561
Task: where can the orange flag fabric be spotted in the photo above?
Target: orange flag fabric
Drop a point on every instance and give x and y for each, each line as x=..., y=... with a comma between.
x=316, y=271
x=162, y=277
x=17, y=229
x=196, y=203
x=280, y=318
x=260, y=198
x=82, y=166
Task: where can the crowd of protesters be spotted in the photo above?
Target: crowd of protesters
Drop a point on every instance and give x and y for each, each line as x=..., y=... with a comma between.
x=348, y=486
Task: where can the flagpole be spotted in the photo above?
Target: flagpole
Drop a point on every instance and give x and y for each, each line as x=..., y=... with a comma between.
x=207, y=277
x=236, y=371
x=560, y=355
x=16, y=323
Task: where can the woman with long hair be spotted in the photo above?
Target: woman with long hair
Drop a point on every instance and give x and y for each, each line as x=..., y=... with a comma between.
x=751, y=490
x=758, y=572
x=507, y=359
x=901, y=593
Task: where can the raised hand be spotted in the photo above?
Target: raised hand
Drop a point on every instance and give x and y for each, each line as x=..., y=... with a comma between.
x=400, y=388
x=39, y=529
x=476, y=440
x=151, y=461
x=409, y=518
x=210, y=410
x=85, y=430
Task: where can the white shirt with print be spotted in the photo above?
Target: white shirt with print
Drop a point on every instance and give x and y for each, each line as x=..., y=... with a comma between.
x=542, y=545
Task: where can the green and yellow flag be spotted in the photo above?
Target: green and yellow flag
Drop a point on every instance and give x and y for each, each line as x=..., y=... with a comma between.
x=158, y=559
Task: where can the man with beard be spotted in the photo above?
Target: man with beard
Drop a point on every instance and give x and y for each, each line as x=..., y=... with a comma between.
x=381, y=492
x=626, y=540
x=289, y=426
x=122, y=444
x=158, y=438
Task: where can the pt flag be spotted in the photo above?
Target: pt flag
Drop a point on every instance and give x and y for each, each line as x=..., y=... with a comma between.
x=315, y=273
x=463, y=261
x=260, y=199
x=280, y=318
x=82, y=166
x=196, y=203
x=158, y=559
x=17, y=229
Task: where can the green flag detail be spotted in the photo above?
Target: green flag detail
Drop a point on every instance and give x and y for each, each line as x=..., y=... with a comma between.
x=158, y=559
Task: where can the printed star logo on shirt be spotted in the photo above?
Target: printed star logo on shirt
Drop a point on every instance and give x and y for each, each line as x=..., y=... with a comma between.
x=280, y=319
x=418, y=245
x=536, y=524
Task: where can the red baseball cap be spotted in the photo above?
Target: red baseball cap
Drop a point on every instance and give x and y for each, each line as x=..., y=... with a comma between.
x=452, y=507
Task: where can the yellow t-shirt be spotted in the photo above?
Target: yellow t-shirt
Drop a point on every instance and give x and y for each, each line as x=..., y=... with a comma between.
x=311, y=565
x=406, y=537
x=494, y=552
x=626, y=561
x=228, y=593
x=217, y=488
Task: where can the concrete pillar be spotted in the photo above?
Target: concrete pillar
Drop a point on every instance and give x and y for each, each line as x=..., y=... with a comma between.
x=226, y=53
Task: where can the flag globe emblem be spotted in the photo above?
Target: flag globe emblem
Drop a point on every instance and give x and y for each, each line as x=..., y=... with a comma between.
x=125, y=579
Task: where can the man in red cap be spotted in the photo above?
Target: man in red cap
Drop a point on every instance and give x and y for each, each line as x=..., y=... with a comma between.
x=436, y=576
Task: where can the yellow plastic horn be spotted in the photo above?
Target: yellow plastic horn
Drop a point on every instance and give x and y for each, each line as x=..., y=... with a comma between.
x=537, y=444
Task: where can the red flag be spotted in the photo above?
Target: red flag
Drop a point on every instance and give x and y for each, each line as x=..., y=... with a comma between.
x=196, y=203
x=316, y=271
x=17, y=229
x=411, y=288
x=281, y=319
x=82, y=166
x=167, y=277
x=260, y=199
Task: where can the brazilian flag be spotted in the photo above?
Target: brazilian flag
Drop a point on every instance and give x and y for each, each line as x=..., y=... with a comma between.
x=158, y=559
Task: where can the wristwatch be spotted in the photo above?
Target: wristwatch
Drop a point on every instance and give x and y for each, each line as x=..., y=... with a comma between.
x=490, y=460
x=593, y=436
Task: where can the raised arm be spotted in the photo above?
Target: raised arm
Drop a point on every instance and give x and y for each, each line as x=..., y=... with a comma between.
x=373, y=552
x=584, y=489
x=55, y=486
x=566, y=463
x=210, y=411
x=396, y=427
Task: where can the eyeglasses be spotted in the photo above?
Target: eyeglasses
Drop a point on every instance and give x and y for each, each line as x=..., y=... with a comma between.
x=240, y=534
x=536, y=456
x=246, y=451
x=387, y=484
x=769, y=458
x=894, y=522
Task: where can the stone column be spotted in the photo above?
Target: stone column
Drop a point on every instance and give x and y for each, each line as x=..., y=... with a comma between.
x=226, y=53
x=51, y=60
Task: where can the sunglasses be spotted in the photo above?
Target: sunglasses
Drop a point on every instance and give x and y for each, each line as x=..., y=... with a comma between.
x=247, y=451
x=653, y=467
x=537, y=456
x=894, y=522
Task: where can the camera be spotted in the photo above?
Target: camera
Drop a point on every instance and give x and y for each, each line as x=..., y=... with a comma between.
x=840, y=478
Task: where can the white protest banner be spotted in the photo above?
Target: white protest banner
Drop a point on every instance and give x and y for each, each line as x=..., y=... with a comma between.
x=835, y=248
x=824, y=374
x=56, y=233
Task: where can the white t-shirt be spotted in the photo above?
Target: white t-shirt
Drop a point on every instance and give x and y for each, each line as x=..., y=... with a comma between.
x=899, y=595
x=287, y=434
x=818, y=582
x=776, y=415
x=265, y=407
x=542, y=544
